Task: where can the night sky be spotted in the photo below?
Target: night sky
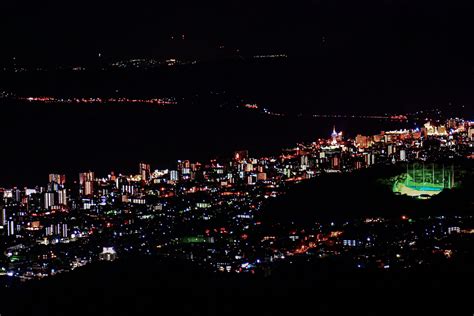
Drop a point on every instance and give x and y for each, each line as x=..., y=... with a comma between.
x=401, y=32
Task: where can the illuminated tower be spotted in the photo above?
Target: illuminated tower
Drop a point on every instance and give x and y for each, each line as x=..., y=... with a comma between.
x=334, y=136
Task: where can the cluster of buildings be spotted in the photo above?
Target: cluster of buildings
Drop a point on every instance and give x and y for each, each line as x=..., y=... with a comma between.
x=432, y=142
x=380, y=243
x=202, y=211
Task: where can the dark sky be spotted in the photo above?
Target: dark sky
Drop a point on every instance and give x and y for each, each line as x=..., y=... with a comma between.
x=53, y=30
x=139, y=27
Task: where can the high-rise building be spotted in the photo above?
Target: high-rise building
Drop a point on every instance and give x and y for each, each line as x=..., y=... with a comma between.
x=173, y=175
x=17, y=194
x=403, y=155
x=49, y=230
x=390, y=149
x=57, y=178
x=62, y=197
x=53, y=187
x=362, y=141
x=10, y=228
x=48, y=200
x=3, y=217
x=248, y=167
x=368, y=158
x=183, y=164
x=251, y=179
x=64, y=230
x=86, y=183
x=241, y=155
x=335, y=162
x=304, y=161
x=144, y=171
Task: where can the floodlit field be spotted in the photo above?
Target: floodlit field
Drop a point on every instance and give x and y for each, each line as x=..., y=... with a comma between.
x=424, y=182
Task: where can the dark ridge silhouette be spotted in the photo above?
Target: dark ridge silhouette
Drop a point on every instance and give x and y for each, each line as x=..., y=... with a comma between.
x=363, y=193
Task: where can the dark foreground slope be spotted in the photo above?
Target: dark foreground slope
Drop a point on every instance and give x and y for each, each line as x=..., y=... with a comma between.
x=145, y=286
x=363, y=193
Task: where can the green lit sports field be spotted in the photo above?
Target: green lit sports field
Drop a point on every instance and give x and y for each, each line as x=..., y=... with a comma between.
x=423, y=182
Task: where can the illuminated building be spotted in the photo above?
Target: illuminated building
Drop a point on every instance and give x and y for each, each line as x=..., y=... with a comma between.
x=144, y=171
x=251, y=179
x=362, y=141
x=431, y=130
x=455, y=229
x=403, y=155
x=108, y=254
x=29, y=192
x=304, y=161
x=57, y=178
x=174, y=175
x=127, y=188
x=390, y=149
x=62, y=197
x=64, y=230
x=48, y=200
x=369, y=159
x=86, y=183
x=17, y=194
x=49, y=230
x=183, y=166
x=3, y=217
x=378, y=138
x=241, y=155
x=7, y=194
x=10, y=228
x=334, y=136
x=335, y=162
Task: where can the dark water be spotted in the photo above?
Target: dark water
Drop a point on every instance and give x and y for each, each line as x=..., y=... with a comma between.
x=38, y=139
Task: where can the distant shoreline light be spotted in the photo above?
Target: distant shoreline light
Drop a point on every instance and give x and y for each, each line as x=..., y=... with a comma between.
x=160, y=101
